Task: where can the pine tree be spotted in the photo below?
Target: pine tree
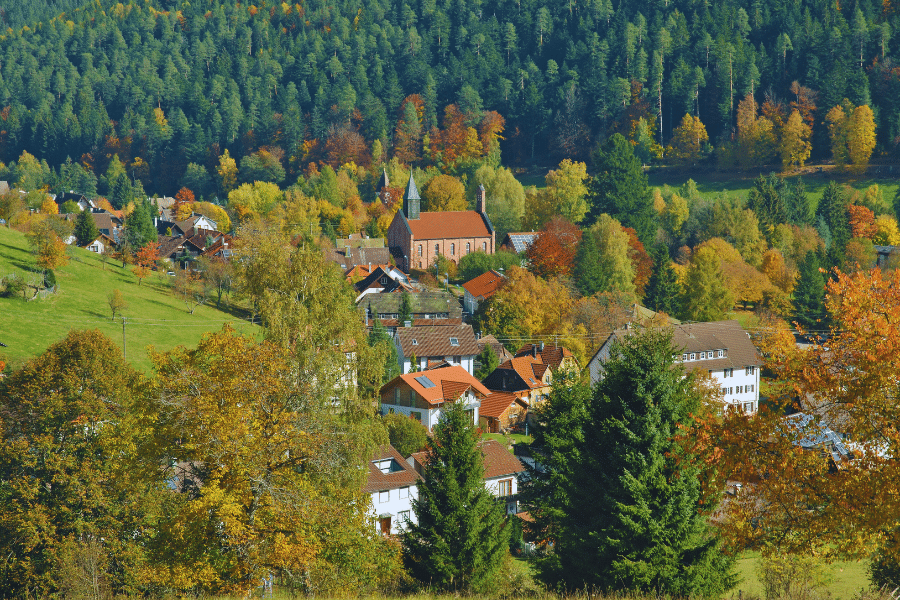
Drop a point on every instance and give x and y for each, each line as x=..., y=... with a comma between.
x=833, y=211
x=809, y=294
x=85, y=228
x=459, y=540
x=663, y=290
x=634, y=518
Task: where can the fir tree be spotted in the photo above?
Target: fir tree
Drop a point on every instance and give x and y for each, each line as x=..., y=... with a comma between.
x=589, y=273
x=635, y=518
x=85, y=228
x=620, y=188
x=663, y=290
x=557, y=431
x=833, y=211
x=809, y=295
x=139, y=227
x=459, y=540
x=488, y=360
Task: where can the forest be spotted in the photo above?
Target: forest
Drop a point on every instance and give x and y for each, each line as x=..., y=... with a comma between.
x=168, y=87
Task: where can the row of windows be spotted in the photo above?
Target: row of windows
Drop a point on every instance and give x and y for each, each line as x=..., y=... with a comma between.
x=385, y=495
x=740, y=389
x=703, y=355
x=730, y=372
x=437, y=248
x=414, y=414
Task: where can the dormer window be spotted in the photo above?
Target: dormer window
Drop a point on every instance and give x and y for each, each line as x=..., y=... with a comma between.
x=683, y=357
x=721, y=353
x=454, y=341
x=693, y=356
x=702, y=355
x=415, y=342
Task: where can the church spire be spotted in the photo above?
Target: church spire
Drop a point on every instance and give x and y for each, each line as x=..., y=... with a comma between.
x=411, y=199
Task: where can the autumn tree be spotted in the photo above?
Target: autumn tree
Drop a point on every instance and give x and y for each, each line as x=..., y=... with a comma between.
x=505, y=198
x=116, y=301
x=812, y=502
x=145, y=260
x=46, y=244
x=795, y=147
x=444, y=193
x=756, y=142
x=71, y=501
x=190, y=289
x=688, y=141
x=405, y=434
x=280, y=477
x=184, y=199
x=603, y=261
x=227, y=171
x=852, y=130
x=552, y=253
x=567, y=188
x=705, y=296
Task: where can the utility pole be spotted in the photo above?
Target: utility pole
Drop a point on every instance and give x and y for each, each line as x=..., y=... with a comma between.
x=124, y=347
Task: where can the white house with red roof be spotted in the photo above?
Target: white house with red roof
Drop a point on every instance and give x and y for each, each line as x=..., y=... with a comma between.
x=417, y=238
x=392, y=485
x=481, y=288
x=422, y=395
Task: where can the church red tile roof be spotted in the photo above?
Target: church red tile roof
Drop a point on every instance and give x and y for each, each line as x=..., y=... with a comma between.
x=450, y=224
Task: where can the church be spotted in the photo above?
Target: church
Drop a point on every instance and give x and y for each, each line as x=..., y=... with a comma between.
x=416, y=238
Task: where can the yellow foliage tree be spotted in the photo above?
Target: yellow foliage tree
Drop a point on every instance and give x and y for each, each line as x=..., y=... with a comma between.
x=795, y=146
x=887, y=231
x=49, y=207
x=852, y=131
x=254, y=199
x=687, y=142
x=227, y=171
x=756, y=143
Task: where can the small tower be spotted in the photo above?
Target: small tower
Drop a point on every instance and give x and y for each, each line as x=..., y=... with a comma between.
x=481, y=200
x=411, y=200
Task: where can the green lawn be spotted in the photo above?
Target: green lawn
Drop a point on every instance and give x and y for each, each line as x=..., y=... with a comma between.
x=153, y=317
x=847, y=577
x=516, y=438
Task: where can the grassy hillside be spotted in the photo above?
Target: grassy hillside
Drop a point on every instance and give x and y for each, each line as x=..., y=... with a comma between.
x=710, y=183
x=154, y=316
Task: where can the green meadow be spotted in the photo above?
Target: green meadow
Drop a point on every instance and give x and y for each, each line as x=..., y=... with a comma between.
x=153, y=317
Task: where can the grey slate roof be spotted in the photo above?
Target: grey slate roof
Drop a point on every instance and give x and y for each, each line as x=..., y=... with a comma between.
x=412, y=192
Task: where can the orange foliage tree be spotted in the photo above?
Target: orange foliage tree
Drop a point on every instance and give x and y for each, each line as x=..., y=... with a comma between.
x=145, y=260
x=183, y=200
x=801, y=492
x=643, y=264
x=553, y=252
x=862, y=221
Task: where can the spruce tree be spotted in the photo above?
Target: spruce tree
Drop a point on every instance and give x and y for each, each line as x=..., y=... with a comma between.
x=663, y=289
x=488, y=361
x=635, y=517
x=809, y=295
x=557, y=430
x=459, y=540
x=405, y=313
x=85, y=228
x=833, y=211
x=589, y=273
x=620, y=189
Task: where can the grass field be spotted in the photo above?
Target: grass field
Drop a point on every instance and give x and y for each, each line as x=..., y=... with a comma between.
x=153, y=317
x=711, y=182
x=847, y=578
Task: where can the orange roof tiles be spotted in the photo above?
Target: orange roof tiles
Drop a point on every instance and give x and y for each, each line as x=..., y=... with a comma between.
x=549, y=355
x=530, y=372
x=435, y=392
x=485, y=285
x=449, y=224
x=494, y=405
x=378, y=481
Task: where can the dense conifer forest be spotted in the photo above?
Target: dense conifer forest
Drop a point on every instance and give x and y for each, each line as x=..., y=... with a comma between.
x=166, y=83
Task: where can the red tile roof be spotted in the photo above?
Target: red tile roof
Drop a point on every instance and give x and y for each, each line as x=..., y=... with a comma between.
x=449, y=224
x=550, y=355
x=485, y=285
x=448, y=384
x=530, y=372
x=498, y=461
x=494, y=405
x=378, y=481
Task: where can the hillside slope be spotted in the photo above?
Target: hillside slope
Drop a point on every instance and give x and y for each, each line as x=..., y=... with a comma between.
x=153, y=317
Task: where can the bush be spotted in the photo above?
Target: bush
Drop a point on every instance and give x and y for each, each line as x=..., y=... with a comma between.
x=407, y=435
x=12, y=285
x=788, y=577
x=49, y=278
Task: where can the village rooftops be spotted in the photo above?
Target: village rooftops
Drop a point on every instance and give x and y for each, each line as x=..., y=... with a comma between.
x=498, y=461
x=440, y=340
x=485, y=285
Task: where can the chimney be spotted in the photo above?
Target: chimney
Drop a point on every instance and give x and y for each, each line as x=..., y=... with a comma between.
x=542, y=346
x=534, y=350
x=481, y=200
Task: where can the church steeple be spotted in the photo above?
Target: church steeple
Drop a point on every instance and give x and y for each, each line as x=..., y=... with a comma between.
x=411, y=199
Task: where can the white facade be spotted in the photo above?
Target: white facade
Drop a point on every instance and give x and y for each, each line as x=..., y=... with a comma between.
x=396, y=505
x=430, y=417
x=470, y=303
x=506, y=486
x=738, y=384
x=467, y=362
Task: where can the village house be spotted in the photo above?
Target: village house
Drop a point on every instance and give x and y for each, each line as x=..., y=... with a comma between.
x=380, y=279
x=358, y=250
x=499, y=349
x=721, y=348
x=519, y=242
x=501, y=472
x=432, y=308
x=522, y=377
x=480, y=289
x=392, y=485
x=417, y=238
x=555, y=357
x=422, y=395
x=502, y=411
x=430, y=345
x=102, y=243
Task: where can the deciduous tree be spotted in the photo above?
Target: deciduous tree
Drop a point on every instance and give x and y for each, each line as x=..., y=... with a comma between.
x=795, y=147
x=688, y=140
x=553, y=251
x=705, y=295
x=444, y=193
